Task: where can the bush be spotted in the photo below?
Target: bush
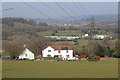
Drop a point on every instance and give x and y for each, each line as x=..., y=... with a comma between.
x=93, y=58
x=97, y=58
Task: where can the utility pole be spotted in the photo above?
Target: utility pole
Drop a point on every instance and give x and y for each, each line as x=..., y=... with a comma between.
x=91, y=34
x=92, y=30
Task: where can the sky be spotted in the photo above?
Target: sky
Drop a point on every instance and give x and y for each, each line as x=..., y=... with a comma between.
x=57, y=9
x=61, y=0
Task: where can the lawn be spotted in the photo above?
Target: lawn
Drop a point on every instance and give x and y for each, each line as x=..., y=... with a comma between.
x=106, y=68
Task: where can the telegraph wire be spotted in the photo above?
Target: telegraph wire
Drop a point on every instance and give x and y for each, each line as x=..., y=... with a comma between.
x=69, y=9
x=38, y=10
x=64, y=10
x=53, y=10
x=35, y=9
x=79, y=9
x=84, y=9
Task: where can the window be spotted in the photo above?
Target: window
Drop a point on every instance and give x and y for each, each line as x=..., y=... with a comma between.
x=66, y=51
x=49, y=50
x=56, y=56
x=64, y=48
x=58, y=51
x=67, y=56
x=26, y=55
x=60, y=56
x=48, y=55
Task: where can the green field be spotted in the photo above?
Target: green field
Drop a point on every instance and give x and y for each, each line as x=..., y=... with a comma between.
x=61, y=33
x=83, y=42
x=62, y=42
x=106, y=68
x=69, y=33
x=45, y=33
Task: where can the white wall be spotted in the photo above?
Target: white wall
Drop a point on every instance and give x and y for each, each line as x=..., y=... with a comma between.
x=26, y=55
x=53, y=52
x=29, y=56
x=64, y=53
x=45, y=52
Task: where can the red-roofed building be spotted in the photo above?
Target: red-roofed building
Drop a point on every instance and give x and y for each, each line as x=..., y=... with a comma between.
x=62, y=51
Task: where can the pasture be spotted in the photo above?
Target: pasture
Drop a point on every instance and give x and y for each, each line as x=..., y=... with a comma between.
x=61, y=33
x=106, y=68
x=45, y=33
x=69, y=33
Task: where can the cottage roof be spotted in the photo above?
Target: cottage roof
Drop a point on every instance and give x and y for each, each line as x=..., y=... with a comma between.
x=61, y=47
x=26, y=51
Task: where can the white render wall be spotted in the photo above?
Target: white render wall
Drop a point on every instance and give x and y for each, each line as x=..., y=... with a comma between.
x=26, y=55
x=23, y=56
x=63, y=53
x=45, y=52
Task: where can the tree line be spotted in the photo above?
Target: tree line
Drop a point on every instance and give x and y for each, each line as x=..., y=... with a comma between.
x=105, y=49
x=15, y=47
x=19, y=31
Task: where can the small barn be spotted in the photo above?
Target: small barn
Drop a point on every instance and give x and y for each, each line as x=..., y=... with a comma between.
x=26, y=54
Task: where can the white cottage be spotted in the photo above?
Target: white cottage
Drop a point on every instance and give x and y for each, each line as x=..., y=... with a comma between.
x=26, y=54
x=65, y=52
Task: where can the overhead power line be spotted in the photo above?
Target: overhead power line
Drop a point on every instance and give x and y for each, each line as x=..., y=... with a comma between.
x=69, y=9
x=79, y=9
x=35, y=9
x=64, y=10
x=85, y=9
x=38, y=10
x=53, y=10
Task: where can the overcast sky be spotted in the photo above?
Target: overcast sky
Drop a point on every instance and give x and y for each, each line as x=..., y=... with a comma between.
x=84, y=9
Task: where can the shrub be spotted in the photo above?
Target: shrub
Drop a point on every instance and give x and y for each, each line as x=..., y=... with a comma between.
x=97, y=58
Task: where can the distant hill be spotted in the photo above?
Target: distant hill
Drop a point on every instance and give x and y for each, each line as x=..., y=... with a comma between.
x=107, y=18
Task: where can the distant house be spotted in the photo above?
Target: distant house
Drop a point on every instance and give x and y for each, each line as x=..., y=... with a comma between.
x=101, y=36
x=65, y=52
x=26, y=54
x=63, y=37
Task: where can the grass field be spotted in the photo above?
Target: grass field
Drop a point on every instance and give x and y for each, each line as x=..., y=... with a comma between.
x=45, y=33
x=69, y=33
x=106, y=68
x=82, y=42
x=62, y=42
x=61, y=33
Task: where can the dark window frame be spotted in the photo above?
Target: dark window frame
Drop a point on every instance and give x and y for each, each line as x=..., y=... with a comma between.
x=67, y=56
x=66, y=51
x=49, y=50
x=64, y=48
x=59, y=51
x=26, y=55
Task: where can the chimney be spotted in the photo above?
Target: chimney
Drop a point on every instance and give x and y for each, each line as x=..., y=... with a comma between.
x=24, y=46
